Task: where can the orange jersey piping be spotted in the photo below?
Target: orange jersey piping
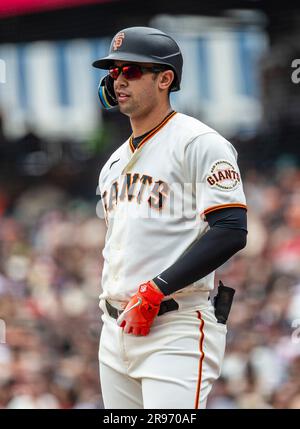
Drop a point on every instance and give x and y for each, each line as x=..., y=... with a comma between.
x=151, y=134
x=201, y=340
x=223, y=206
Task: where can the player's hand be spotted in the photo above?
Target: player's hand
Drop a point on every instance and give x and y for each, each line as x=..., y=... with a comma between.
x=141, y=310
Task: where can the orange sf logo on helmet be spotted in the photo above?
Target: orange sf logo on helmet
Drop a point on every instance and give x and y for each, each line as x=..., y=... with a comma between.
x=118, y=41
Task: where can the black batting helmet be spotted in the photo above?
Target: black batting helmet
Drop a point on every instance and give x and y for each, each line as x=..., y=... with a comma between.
x=145, y=45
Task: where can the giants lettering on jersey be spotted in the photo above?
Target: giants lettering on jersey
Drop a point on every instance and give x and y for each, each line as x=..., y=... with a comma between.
x=222, y=175
x=138, y=188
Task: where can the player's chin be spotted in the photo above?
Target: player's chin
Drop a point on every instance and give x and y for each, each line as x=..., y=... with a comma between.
x=125, y=108
x=127, y=105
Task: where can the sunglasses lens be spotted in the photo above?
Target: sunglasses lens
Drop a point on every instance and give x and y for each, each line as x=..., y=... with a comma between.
x=114, y=72
x=132, y=72
x=129, y=72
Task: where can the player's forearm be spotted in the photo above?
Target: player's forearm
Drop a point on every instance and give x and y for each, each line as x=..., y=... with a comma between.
x=206, y=255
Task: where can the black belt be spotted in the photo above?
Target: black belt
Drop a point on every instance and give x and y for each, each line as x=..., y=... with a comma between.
x=165, y=306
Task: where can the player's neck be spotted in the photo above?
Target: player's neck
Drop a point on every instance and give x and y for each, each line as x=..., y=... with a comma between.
x=143, y=124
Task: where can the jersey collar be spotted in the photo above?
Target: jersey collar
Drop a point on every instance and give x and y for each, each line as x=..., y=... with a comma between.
x=151, y=133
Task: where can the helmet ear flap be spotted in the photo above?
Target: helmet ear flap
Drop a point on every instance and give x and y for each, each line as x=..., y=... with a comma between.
x=106, y=93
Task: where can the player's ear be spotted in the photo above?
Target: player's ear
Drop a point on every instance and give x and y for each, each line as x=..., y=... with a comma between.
x=165, y=79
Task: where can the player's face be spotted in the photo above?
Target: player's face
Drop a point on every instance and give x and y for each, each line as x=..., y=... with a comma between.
x=137, y=96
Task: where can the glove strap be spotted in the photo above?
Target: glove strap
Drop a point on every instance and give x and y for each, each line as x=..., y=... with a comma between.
x=151, y=294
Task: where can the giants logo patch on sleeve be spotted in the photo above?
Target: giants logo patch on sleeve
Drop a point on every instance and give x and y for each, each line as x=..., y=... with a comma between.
x=223, y=175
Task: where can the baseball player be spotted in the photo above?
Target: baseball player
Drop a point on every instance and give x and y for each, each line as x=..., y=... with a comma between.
x=175, y=211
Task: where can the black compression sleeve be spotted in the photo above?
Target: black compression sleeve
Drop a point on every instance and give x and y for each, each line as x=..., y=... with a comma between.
x=233, y=218
x=226, y=236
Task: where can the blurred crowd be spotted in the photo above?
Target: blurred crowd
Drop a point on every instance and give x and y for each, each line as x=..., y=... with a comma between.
x=50, y=266
x=262, y=361
x=50, y=270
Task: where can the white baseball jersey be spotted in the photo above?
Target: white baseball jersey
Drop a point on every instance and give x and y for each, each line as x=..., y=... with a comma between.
x=155, y=199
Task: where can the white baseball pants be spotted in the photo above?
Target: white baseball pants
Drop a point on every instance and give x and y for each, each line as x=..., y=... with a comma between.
x=173, y=367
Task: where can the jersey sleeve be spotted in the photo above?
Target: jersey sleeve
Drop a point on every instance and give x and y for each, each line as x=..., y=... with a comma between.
x=210, y=163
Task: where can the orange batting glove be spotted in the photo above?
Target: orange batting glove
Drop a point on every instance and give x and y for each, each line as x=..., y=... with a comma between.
x=141, y=310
